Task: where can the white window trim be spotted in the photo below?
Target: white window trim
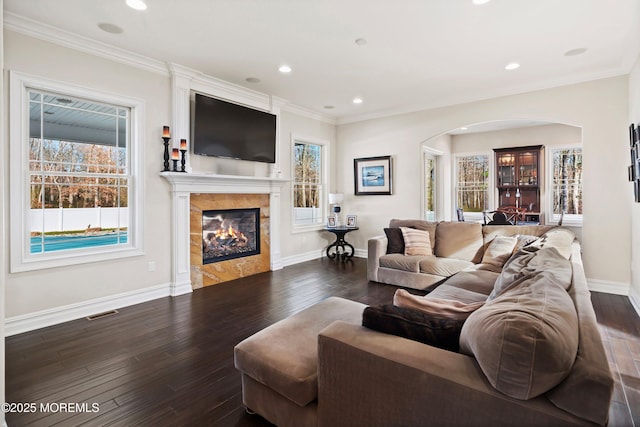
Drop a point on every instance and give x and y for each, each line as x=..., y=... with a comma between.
x=324, y=184
x=550, y=217
x=21, y=259
x=491, y=187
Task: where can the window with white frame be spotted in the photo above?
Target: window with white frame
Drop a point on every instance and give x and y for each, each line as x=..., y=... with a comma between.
x=565, y=185
x=75, y=157
x=472, y=174
x=309, y=193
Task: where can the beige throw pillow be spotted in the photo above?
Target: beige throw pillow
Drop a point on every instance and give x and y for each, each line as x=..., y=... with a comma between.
x=416, y=242
x=437, y=307
x=499, y=250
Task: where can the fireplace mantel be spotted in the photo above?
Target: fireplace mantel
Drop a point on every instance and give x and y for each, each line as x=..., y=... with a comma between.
x=184, y=184
x=214, y=183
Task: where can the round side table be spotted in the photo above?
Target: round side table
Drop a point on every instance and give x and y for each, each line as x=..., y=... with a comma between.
x=340, y=248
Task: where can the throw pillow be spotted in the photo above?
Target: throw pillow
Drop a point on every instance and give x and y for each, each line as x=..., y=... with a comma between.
x=526, y=339
x=395, y=241
x=499, y=250
x=416, y=242
x=451, y=309
x=415, y=325
x=524, y=240
x=561, y=239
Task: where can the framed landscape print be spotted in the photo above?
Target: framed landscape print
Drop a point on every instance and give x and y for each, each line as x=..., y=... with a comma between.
x=372, y=175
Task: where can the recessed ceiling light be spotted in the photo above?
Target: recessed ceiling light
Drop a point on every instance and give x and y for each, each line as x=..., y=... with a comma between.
x=575, y=52
x=480, y=2
x=110, y=28
x=512, y=66
x=284, y=69
x=137, y=4
x=252, y=80
x=361, y=41
x=357, y=100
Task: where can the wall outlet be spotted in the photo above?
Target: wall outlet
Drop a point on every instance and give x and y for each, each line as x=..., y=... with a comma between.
x=152, y=266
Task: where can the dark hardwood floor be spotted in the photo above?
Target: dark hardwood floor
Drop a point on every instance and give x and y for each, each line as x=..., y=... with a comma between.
x=170, y=361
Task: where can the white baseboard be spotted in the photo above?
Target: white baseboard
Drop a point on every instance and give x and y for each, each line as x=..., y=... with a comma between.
x=634, y=297
x=298, y=258
x=181, y=289
x=608, y=287
x=32, y=321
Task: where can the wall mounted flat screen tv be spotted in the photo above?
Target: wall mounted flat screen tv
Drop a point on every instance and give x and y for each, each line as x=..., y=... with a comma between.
x=223, y=129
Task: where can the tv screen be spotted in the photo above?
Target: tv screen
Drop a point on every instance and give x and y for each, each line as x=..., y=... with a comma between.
x=223, y=129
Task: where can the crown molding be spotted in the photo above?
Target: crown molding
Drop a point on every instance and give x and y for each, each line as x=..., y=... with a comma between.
x=483, y=95
x=305, y=112
x=74, y=41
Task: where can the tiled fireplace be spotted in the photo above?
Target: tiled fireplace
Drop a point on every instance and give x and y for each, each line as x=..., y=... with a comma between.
x=245, y=213
x=229, y=237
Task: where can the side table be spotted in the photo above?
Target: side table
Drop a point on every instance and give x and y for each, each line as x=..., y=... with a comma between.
x=340, y=249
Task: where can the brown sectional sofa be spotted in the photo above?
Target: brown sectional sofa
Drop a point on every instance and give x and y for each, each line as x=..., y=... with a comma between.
x=455, y=246
x=531, y=355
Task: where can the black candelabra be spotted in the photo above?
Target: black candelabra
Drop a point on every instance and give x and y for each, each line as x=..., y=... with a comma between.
x=183, y=160
x=166, y=154
x=175, y=159
x=166, y=137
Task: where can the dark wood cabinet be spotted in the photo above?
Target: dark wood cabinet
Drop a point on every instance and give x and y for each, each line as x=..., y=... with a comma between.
x=518, y=177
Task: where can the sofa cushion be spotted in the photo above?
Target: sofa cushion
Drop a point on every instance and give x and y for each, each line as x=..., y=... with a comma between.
x=284, y=356
x=418, y=224
x=466, y=286
x=444, y=267
x=395, y=241
x=416, y=242
x=511, y=230
x=526, y=338
x=523, y=266
x=466, y=296
x=449, y=308
x=401, y=262
x=559, y=238
x=415, y=325
x=459, y=240
x=499, y=250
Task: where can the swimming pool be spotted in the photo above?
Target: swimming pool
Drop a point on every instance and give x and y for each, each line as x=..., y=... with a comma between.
x=64, y=242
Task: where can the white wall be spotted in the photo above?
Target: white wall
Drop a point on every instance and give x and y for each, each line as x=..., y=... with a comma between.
x=634, y=117
x=3, y=198
x=297, y=246
x=599, y=107
x=40, y=291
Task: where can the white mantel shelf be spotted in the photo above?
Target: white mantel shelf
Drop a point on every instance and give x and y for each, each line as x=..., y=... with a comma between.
x=184, y=184
x=214, y=183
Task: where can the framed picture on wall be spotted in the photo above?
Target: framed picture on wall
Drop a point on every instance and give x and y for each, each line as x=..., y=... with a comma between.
x=372, y=176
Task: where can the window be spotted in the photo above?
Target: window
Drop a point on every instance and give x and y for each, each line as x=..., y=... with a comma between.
x=472, y=184
x=430, y=195
x=566, y=185
x=309, y=183
x=76, y=199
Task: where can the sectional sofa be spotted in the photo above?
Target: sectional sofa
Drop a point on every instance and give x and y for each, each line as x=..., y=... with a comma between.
x=510, y=339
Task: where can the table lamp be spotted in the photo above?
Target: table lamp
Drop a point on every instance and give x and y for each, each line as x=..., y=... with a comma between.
x=336, y=199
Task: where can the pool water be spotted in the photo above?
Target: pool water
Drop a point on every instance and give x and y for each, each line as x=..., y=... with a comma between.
x=60, y=243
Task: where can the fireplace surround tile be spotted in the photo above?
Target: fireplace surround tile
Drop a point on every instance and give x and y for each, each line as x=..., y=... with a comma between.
x=223, y=271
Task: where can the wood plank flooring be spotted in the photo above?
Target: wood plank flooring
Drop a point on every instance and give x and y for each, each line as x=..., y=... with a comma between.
x=170, y=361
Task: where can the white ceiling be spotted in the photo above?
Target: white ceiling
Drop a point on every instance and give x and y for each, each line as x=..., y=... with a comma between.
x=419, y=53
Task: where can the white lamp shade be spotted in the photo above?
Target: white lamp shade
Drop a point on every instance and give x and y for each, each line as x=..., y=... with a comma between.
x=335, y=198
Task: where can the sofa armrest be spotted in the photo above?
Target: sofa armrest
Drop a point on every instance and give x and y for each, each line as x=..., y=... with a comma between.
x=376, y=247
x=374, y=379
